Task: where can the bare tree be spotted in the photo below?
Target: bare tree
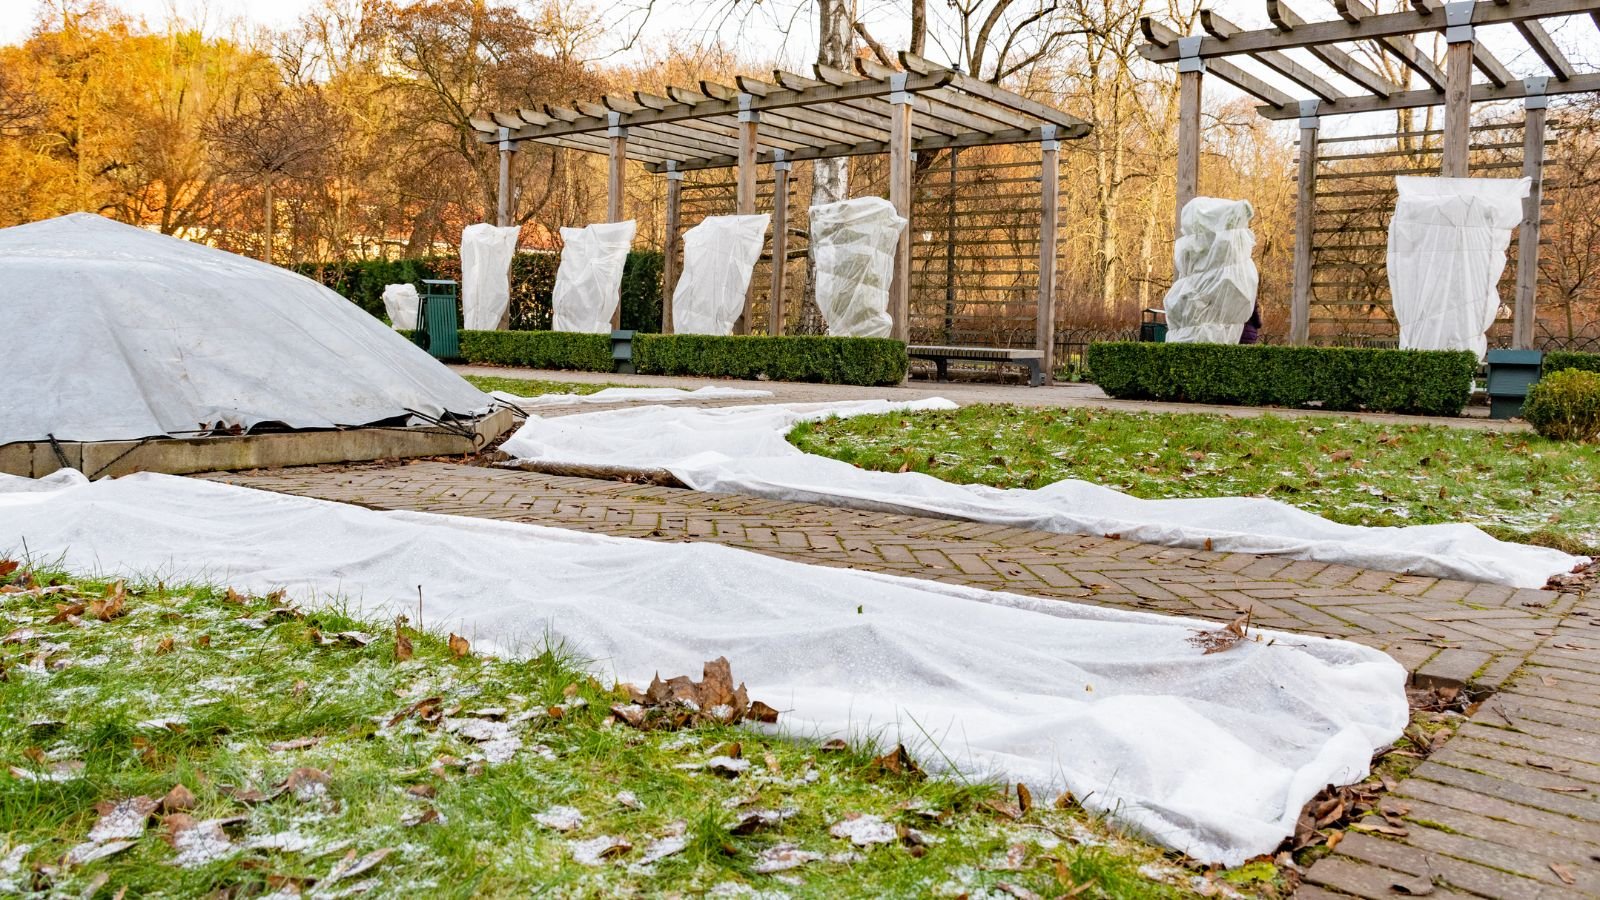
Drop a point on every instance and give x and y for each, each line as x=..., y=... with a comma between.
x=285, y=134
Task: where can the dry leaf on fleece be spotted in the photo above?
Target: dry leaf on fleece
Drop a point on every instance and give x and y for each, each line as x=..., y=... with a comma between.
x=1221, y=639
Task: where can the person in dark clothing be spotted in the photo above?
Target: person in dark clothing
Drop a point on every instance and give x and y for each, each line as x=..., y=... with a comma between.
x=1252, y=327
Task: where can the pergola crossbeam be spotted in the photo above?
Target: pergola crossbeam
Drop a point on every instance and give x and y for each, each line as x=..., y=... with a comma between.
x=1451, y=87
x=1285, y=19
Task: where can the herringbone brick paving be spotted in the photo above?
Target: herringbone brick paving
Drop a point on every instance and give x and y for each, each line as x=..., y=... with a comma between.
x=1507, y=808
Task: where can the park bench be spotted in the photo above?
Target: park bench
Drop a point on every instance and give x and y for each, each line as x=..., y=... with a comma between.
x=941, y=356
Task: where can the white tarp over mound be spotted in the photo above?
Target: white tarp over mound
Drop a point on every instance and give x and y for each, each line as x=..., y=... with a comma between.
x=117, y=333
x=742, y=450
x=1447, y=248
x=400, y=302
x=719, y=256
x=589, y=279
x=1215, y=289
x=853, y=243
x=486, y=252
x=628, y=395
x=1213, y=755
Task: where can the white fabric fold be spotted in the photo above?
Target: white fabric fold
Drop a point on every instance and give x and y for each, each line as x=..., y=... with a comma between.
x=742, y=450
x=1215, y=288
x=1212, y=755
x=1447, y=248
x=588, y=285
x=486, y=252
x=719, y=257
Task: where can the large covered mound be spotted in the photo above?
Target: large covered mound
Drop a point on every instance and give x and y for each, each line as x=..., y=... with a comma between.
x=117, y=333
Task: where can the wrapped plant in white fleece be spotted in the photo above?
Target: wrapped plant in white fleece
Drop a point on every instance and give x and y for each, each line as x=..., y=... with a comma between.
x=1215, y=287
x=719, y=256
x=589, y=280
x=400, y=302
x=486, y=252
x=853, y=243
x=1447, y=248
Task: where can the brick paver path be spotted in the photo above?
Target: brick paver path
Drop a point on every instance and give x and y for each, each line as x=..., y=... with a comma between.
x=1512, y=794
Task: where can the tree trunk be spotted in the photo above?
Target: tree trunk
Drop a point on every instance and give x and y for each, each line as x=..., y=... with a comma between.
x=830, y=178
x=266, y=230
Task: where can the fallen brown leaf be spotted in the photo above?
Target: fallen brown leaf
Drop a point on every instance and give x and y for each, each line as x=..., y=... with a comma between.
x=1222, y=638
x=459, y=646
x=402, y=644
x=1563, y=873
x=898, y=762
x=179, y=799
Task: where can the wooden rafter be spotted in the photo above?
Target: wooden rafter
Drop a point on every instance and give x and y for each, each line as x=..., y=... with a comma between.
x=1392, y=33
x=834, y=114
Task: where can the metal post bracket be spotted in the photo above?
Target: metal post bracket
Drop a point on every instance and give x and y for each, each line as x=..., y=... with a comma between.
x=898, y=95
x=1536, y=87
x=1308, y=114
x=746, y=114
x=616, y=129
x=1458, y=21
x=1189, y=59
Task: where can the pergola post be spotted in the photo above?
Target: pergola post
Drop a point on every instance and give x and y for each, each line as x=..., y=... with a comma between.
x=1526, y=314
x=745, y=202
x=780, y=241
x=669, y=253
x=900, y=195
x=1191, y=77
x=1304, y=240
x=617, y=135
x=1049, y=201
x=1458, y=88
x=508, y=147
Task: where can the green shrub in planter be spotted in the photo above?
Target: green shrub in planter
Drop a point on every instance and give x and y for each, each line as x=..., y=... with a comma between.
x=831, y=360
x=1565, y=405
x=538, y=349
x=1428, y=382
x=1557, y=360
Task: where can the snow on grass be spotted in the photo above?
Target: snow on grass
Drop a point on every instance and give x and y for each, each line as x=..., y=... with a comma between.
x=316, y=766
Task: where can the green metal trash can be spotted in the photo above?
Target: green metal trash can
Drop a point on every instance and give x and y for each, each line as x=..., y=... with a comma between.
x=1153, y=329
x=1511, y=373
x=438, y=318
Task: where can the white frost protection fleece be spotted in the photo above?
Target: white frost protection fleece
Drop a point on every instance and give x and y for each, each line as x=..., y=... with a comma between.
x=853, y=242
x=589, y=280
x=628, y=395
x=742, y=450
x=400, y=302
x=1215, y=288
x=117, y=333
x=486, y=252
x=719, y=256
x=1447, y=248
x=1213, y=755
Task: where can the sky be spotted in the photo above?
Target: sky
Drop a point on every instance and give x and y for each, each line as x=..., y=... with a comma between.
x=784, y=30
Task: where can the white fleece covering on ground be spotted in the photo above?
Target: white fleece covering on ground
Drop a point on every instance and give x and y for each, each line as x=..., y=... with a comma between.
x=742, y=450
x=1213, y=755
x=117, y=333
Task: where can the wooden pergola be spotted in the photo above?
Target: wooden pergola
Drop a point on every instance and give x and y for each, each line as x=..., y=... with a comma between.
x=919, y=108
x=1392, y=34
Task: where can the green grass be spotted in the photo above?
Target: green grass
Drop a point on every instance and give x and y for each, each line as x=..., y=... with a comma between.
x=531, y=387
x=1517, y=486
x=233, y=679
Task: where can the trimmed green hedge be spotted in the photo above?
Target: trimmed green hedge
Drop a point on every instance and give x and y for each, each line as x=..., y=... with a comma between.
x=538, y=349
x=1427, y=382
x=533, y=277
x=831, y=360
x=1560, y=360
